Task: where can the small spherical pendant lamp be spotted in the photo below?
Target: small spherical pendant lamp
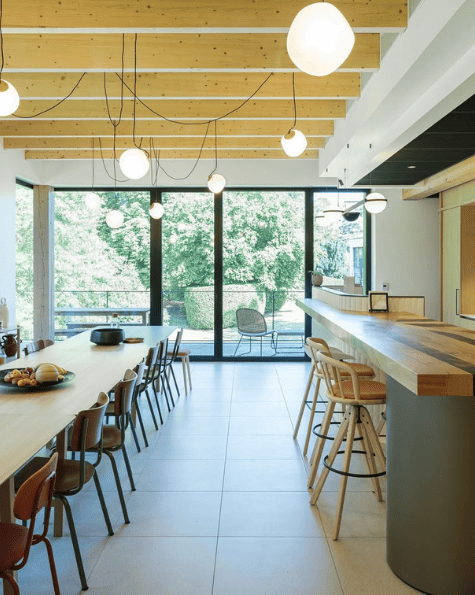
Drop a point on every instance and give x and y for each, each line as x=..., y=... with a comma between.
x=115, y=219
x=92, y=200
x=294, y=143
x=9, y=99
x=156, y=210
x=375, y=203
x=216, y=183
x=320, y=39
x=134, y=163
x=334, y=214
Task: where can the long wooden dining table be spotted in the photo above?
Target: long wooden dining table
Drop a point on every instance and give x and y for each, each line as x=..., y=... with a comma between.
x=30, y=419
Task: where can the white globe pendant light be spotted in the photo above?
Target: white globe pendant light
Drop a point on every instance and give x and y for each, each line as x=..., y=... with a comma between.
x=115, y=219
x=92, y=200
x=9, y=99
x=322, y=221
x=156, y=210
x=216, y=183
x=134, y=163
x=294, y=143
x=320, y=39
x=375, y=203
x=333, y=214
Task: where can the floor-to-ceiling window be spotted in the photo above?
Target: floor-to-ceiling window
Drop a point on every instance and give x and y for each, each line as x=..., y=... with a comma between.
x=24, y=258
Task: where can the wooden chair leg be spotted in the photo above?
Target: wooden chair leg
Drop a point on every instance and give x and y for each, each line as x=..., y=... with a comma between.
x=378, y=451
x=304, y=401
x=320, y=443
x=369, y=459
x=346, y=467
x=380, y=426
x=183, y=364
x=312, y=417
x=331, y=458
x=189, y=370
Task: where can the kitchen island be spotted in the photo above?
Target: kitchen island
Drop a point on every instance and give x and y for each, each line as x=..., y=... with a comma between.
x=430, y=370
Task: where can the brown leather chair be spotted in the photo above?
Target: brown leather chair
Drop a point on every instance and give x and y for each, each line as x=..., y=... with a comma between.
x=71, y=475
x=16, y=540
x=34, y=347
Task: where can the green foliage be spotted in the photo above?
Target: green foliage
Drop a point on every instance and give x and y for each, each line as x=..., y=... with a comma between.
x=332, y=261
x=24, y=260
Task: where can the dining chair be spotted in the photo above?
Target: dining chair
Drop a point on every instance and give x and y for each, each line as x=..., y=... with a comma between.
x=72, y=475
x=160, y=377
x=34, y=494
x=172, y=357
x=150, y=365
x=251, y=323
x=34, y=346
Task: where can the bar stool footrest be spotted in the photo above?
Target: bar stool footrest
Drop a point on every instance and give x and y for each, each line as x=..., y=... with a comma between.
x=348, y=474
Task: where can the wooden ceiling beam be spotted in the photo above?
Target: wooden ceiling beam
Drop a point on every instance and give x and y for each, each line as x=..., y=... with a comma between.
x=176, y=109
x=176, y=142
x=176, y=154
x=196, y=85
x=161, y=53
x=187, y=13
x=101, y=128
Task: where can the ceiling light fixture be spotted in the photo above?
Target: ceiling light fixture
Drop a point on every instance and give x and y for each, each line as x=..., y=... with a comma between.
x=322, y=221
x=9, y=98
x=375, y=203
x=115, y=219
x=411, y=167
x=156, y=209
x=320, y=39
x=334, y=214
x=216, y=182
x=294, y=142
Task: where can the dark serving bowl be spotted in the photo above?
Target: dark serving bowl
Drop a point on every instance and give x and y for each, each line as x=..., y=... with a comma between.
x=107, y=336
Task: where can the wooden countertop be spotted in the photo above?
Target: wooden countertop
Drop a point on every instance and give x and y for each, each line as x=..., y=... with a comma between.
x=426, y=356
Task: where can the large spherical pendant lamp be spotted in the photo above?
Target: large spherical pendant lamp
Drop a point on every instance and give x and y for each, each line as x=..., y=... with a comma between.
x=320, y=39
x=294, y=143
x=322, y=221
x=134, y=163
x=9, y=99
x=115, y=219
x=156, y=210
x=333, y=214
x=92, y=200
x=375, y=203
x=216, y=183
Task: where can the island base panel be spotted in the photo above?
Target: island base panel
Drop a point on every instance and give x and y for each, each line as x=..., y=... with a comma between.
x=431, y=490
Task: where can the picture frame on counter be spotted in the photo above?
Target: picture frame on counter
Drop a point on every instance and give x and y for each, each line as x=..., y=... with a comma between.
x=378, y=301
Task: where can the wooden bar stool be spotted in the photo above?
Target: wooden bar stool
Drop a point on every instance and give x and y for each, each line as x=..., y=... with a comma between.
x=315, y=377
x=355, y=395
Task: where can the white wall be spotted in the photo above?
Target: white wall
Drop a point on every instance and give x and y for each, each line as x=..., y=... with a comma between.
x=12, y=165
x=406, y=249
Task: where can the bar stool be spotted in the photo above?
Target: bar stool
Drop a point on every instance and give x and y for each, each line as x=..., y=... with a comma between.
x=315, y=376
x=354, y=394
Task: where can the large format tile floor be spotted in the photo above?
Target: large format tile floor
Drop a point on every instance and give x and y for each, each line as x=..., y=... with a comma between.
x=221, y=505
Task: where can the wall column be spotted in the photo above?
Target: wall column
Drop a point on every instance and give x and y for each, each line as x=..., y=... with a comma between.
x=43, y=262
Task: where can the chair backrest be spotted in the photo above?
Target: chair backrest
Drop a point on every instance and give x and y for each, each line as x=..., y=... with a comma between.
x=250, y=321
x=36, y=492
x=176, y=347
x=93, y=418
x=331, y=369
x=124, y=392
x=151, y=356
x=139, y=370
x=48, y=342
x=162, y=355
x=34, y=346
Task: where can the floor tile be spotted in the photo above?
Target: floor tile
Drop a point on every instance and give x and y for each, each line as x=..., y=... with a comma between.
x=265, y=476
x=274, y=566
x=172, y=446
x=255, y=395
x=363, y=570
x=173, y=514
x=269, y=514
x=197, y=408
x=182, y=476
x=259, y=409
x=259, y=426
x=262, y=447
x=155, y=565
x=181, y=425
x=214, y=394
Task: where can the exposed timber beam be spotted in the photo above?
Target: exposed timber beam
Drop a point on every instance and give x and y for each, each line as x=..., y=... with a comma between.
x=177, y=154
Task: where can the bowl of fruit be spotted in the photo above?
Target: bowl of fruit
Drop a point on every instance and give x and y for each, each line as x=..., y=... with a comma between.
x=38, y=378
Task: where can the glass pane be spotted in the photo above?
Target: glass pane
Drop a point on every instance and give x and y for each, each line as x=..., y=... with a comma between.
x=97, y=267
x=188, y=267
x=24, y=260
x=338, y=248
x=263, y=271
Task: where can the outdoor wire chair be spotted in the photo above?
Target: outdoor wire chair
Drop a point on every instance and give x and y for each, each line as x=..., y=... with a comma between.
x=252, y=323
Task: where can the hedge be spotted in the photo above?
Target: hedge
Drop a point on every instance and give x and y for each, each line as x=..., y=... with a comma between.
x=199, y=304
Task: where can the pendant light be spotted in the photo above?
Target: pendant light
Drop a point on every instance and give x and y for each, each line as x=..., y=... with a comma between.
x=294, y=142
x=375, y=203
x=216, y=182
x=335, y=214
x=320, y=39
x=322, y=221
x=92, y=200
x=115, y=219
x=9, y=98
x=134, y=163
x=156, y=209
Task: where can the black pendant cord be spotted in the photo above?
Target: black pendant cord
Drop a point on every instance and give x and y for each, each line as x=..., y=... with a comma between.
x=154, y=155
x=295, y=104
x=115, y=123
x=196, y=162
x=114, y=178
x=92, y=188
x=1, y=41
x=215, y=148
x=135, y=96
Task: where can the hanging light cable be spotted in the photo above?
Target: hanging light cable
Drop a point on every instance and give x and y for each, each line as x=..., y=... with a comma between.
x=216, y=182
x=375, y=202
x=294, y=142
x=115, y=218
x=334, y=214
x=156, y=209
x=9, y=98
x=320, y=39
x=92, y=200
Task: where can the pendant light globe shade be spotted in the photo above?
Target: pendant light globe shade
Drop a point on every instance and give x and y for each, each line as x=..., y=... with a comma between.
x=216, y=183
x=333, y=215
x=9, y=99
x=375, y=203
x=115, y=219
x=92, y=200
x=320, y=39
x=134, y=163
x=294, y=143
x=322, y=221
x=156, y=210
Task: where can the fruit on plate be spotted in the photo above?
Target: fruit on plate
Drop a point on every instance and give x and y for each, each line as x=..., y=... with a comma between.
x=46, y=373
x=59, y=369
